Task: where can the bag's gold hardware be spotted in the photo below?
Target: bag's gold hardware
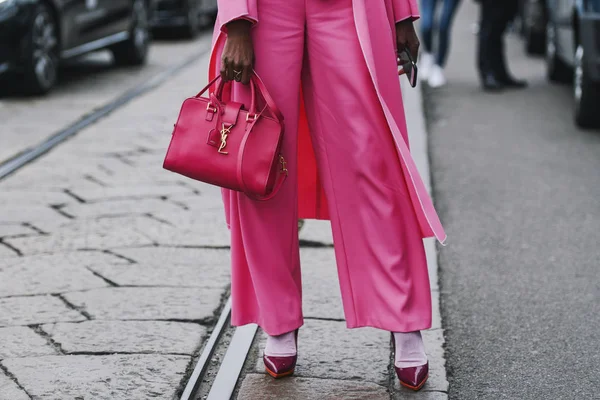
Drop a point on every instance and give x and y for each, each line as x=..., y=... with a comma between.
x=251, y=117
x=224, y=133
x=211, y=108
x=283, y=165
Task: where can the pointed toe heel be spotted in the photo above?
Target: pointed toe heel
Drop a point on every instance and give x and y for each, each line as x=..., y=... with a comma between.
x=413, y=378
x=281, y=366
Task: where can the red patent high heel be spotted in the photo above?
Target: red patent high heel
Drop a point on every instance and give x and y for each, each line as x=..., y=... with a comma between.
x=279, y=367
x=413, y=378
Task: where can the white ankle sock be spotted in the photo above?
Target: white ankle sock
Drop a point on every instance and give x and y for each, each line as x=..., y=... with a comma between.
x=282, y=345
x=410, y=349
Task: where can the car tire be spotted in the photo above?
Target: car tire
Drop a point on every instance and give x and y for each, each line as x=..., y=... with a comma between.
x=134, y=50
x=586, y=93
x=556, y=69
x=535, y=42
x=41, y=52
x=194, y=19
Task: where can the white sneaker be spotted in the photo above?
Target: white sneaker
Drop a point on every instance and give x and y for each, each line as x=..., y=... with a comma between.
x=425, y=64
x=436, y=77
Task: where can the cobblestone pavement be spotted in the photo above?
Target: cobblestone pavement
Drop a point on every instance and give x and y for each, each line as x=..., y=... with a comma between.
x=113, y=272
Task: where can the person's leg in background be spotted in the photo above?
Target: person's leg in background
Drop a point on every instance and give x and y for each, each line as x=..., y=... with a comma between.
x=266, y=282
x=379, y=250
x=436, y=77
x=427, y=59
x=490, y=35
x=507, y=13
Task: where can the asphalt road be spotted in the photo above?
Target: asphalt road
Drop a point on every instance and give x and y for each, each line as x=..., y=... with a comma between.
x=518, y=188
x=85, y=84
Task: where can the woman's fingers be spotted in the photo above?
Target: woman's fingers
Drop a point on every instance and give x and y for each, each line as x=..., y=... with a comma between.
x=246, y=73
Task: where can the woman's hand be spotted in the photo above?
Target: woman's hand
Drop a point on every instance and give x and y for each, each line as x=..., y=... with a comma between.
x=406, y=38
x=238, y=54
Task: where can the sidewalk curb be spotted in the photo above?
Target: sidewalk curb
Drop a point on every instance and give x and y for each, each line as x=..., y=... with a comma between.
x=418, y=136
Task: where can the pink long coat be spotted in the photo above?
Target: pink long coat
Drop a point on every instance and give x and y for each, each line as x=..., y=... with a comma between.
x=375, y=24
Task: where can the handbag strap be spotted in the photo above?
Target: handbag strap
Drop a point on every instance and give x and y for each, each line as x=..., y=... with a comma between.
x=255, y=80
x=268, y=99
x=280, y=179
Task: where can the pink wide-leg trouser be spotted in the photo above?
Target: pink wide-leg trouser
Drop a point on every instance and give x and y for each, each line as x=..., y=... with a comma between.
x=381, y=261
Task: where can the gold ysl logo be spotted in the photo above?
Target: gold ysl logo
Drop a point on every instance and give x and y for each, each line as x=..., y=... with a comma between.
x=224, y=133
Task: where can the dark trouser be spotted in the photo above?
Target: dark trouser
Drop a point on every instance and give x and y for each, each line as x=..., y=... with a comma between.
x=495, y=16
x=429, y=27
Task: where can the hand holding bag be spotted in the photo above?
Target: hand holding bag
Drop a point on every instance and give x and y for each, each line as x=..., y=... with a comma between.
x=223, y=144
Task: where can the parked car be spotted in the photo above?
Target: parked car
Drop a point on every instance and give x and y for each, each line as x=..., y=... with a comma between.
x=37, y=35
x=573, y=53
x=189, y=15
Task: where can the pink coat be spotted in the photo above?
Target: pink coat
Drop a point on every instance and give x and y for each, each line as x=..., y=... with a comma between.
x=375, y=25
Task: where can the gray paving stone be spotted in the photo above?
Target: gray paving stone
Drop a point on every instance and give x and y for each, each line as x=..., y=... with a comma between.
x=93, y=194
x=127, y=336
x=113, y=377
x=326, y=349
x=264, y=387
x=48, y=274
x=196, y=228
x=148, y=303
x=35, y=310
x=168, y=266
x=103, y=233
x=22, y=341
x=9, y=390
x=16, y=229
x=317, y=231
x=434, y=341
x=121, y=207
x=34, y=214
x=9, y=198
x=320, y=284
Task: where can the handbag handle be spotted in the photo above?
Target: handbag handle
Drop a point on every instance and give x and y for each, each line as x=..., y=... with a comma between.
x=255, y=82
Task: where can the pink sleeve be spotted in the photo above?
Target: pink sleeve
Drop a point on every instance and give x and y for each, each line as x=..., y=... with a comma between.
x=405, y=9
x=230, y=10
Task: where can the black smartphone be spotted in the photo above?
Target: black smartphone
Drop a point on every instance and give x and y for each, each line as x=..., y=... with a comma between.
x=406, y=66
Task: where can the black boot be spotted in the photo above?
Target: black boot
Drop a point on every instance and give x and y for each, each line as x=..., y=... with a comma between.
x=511, y=83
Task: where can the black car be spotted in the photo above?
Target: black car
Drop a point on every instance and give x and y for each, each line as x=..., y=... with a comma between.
x=36, y=35
x=189, y=15
x=573, y=53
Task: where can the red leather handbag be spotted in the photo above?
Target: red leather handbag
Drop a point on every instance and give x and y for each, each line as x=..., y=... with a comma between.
x=223, y=144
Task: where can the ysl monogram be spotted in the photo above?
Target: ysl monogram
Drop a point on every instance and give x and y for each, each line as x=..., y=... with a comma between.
x=224, y=133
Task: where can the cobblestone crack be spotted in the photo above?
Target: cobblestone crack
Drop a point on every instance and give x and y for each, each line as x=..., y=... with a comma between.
x=122, y=257
x=10, y=247
x=93, y=179
x=53, y=343
x=35, y=228
x=13, y=378
x=105, y=279
x=73, y=195
x=59, y=209
x=73, y=306
x=314, y=244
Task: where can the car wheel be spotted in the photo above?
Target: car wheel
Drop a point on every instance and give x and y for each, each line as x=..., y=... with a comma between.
x=556, y=69
x=41, y=52
x=533, y=15
x=194, y=18
x=586, y=93
x=134, y=50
